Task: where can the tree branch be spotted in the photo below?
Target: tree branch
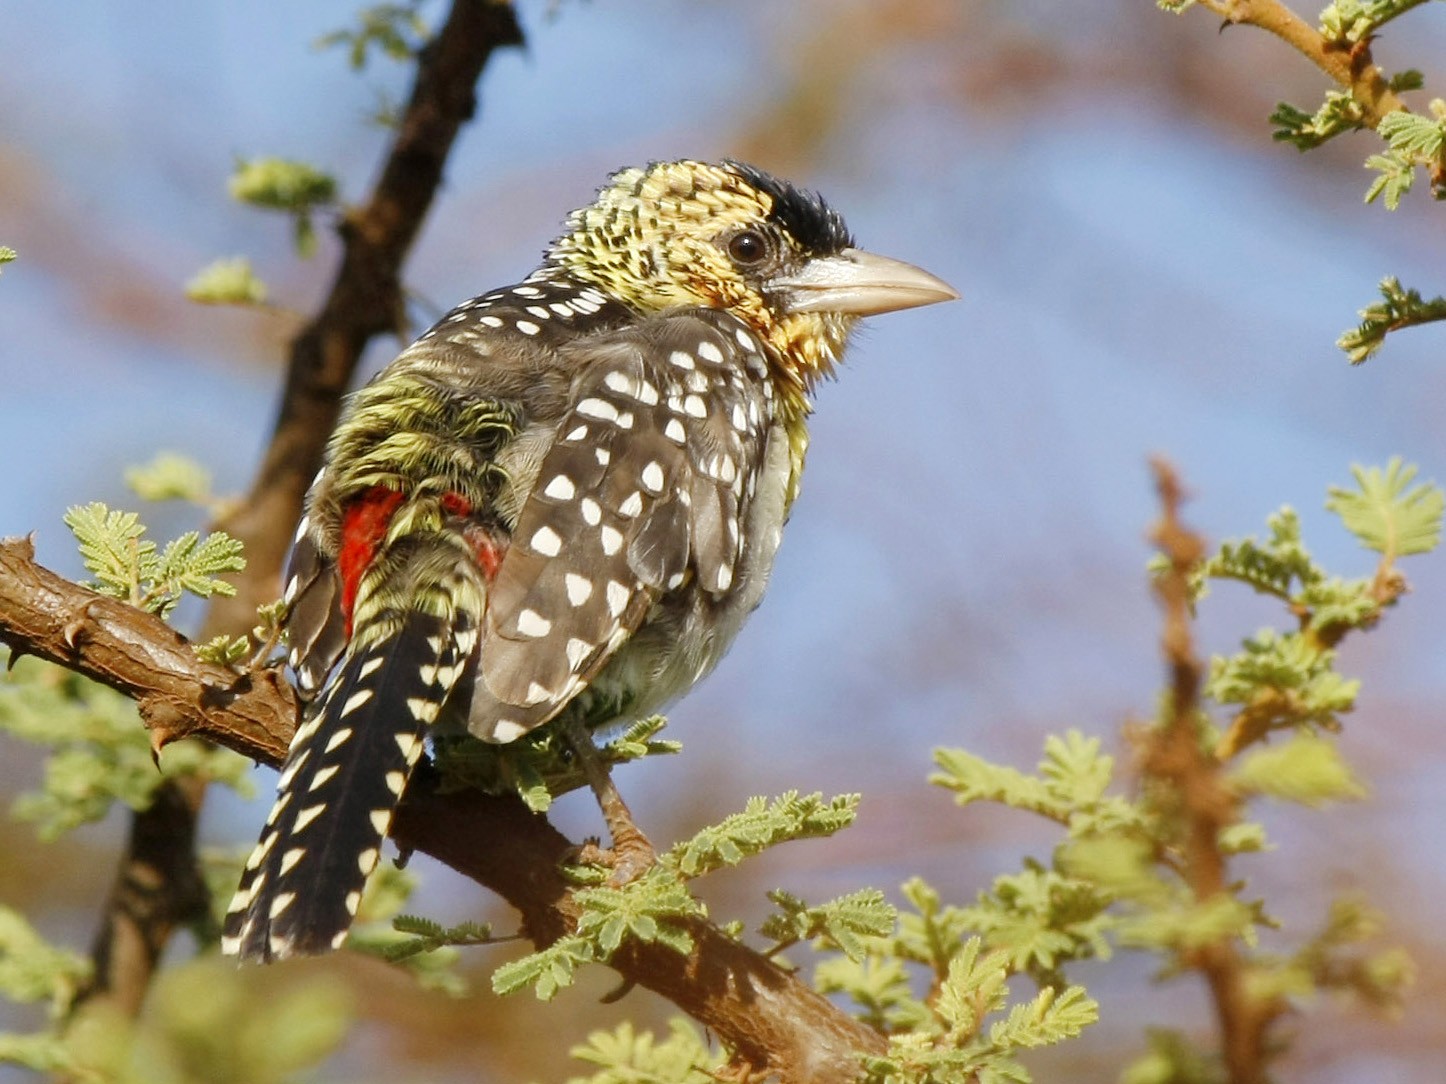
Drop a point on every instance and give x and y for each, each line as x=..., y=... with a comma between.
x=1177, y=756
x=366, y=298
x=772, y=1021
x=155, y=884
x=1353, y=68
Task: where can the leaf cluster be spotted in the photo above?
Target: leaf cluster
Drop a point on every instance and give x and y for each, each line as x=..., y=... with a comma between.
x=1350, y=22
x=1340, y=112
x=294, y=188
x=227, y=281
x=99, y=751
x=1411, y=140
x=128, y=566
x=541, y=765
x=656, y=907
x=396, y=30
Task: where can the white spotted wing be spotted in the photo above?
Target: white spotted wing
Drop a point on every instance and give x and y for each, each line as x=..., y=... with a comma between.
x=641, y=493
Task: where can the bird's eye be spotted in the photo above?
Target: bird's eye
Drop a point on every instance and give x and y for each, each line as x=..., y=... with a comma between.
x=747, y=248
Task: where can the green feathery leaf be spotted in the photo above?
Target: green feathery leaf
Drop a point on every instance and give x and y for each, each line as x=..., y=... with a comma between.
x=1387, y=513
x=1398, y=308
x=761, y=824
x=1308, y=769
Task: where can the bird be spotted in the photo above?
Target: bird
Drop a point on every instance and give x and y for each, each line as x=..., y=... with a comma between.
x=556, y=507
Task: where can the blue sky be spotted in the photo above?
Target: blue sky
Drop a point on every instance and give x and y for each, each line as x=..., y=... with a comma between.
x=966, y=564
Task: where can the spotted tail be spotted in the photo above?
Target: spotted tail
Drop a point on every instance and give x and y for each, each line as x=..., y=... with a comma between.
x=348, y=765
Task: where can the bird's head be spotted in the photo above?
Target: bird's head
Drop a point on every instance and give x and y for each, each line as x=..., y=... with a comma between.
x=729, y=236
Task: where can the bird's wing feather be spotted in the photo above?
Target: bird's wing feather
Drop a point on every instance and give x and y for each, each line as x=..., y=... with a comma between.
x=643, y=487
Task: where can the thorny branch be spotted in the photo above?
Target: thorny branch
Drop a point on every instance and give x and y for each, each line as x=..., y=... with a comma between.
x=1177, y=756
x=772, y=1021
x=365, y=300
x=1352, y=67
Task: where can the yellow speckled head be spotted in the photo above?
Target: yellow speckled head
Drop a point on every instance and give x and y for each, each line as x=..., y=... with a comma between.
x=730, y=236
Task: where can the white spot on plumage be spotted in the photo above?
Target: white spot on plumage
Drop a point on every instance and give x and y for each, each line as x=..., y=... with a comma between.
x=682, y=359
x=740, y=418
x=653, y=476
x=694, y=406
x=546, y=541
x=632, y=505
x=396, y=781
x=422, y=709
x=367, y=861
x=466, y=640
x=306, y=730
x=290, y=858
x=560, y=488
x=647, y=393
x=492, y=321
x=258, y=855
x=292, y=586
x=710, y=352
x=625, y=419
x=505, y=730
x=526, y=291
x=527, y=327
x=580, y=433
x=537, y=693
x=579, y=588
x=292, y=767
x=594, y=407
x=562, y=308
x=591, y=511
x=371, y=666
x=727, y=468
x=622, y=383
x=675, y=432
x=305, y=524
x=603, y=456
x=745, y=340
x=676, y=580
x=725, y=577
x=240, y=902
x=410, y=745
x=381, y=820
x=532, y=624
x=321, y=777
x=282, y=801
x=281, y=903
x=356, y=700
x=307, y=815
x=617, y=597
x=612, y=540
x=539, y=312
x=577, y=650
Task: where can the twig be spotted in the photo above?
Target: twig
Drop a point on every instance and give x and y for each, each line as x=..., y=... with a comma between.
x=365, y=300
x=1353, y=68
x=773, y=1022
x=366, y=297
x=1191, y=775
